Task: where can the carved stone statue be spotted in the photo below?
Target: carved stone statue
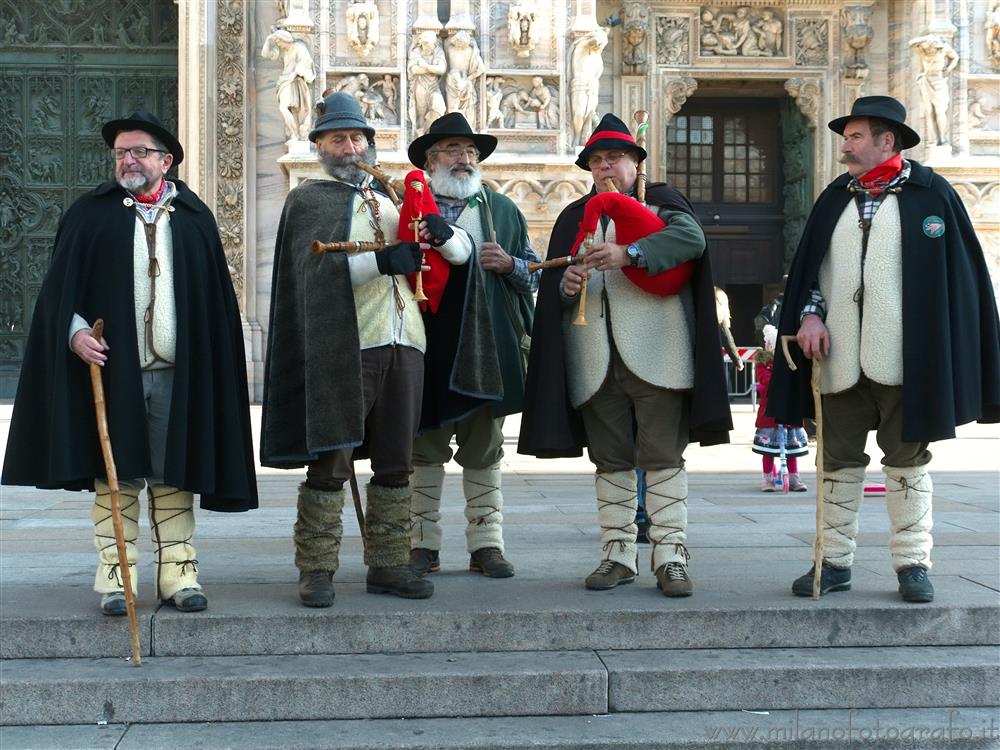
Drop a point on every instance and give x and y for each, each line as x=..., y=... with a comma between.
x=390, y=92
x=543, y=101
x=768, y=31
x=746, y=40
x=857, y=34
x=362, y=26
x=494, y=95
x=465, y=65
x=293, y=90
x=521, y=28
x=979, y=112
x=634, y=54
x=586, y=66
x=426, y=66
x=992, y=27
x=937, y=59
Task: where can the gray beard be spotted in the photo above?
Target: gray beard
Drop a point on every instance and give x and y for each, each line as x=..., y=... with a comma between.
x=342, y=167
x=449, y=185
x=134, y=182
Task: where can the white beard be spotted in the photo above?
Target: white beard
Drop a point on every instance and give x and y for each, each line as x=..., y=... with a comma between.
x=458, y=185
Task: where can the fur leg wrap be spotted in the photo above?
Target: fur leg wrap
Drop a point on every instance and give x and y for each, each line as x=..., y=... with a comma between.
x=843, y=490
x=666, y=507
x=908, y=499
x=386, y=523
x=108, y=577
x=483, y=508
x=616, y=506
x=171, y=523
x=426, y=484
x=319, y=529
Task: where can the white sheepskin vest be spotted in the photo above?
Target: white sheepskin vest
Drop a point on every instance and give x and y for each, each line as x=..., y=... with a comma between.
x=653, y=335
x=164, y=310
x=864, y=338
x=379, y=321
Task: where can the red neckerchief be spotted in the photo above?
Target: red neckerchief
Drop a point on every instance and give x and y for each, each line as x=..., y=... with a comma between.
x=153, y=197
x=875, y=180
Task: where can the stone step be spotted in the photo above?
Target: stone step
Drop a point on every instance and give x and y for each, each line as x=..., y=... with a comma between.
x=470, y=613
x=888, y=729
x=322, y=687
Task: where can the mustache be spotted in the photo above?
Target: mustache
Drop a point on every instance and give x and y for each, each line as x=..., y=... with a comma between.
x=849, y=159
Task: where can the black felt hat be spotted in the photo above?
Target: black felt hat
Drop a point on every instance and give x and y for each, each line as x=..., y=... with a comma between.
x=882, y=108
x=451, y=125
x=611, y=132
x=148, y=123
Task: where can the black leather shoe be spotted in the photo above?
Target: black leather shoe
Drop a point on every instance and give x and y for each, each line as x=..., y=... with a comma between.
x=113, y=604
x=914, y=585
x=491, y=563
x=831, y=579
x=424, y=561
x=400, y=580
x=188, y=600
x=316, y=588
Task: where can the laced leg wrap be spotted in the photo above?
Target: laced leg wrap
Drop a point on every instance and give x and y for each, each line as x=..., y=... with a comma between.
x=616, y=506
x=109, y=577
x=386, y=523
x=426, y=485
x=171, y=523
x=909, y=496
x=483, y=508
x=319, y=529
x=843, y=490
x=666, y=508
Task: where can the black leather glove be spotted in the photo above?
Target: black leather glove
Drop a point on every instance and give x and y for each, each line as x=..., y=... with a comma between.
x=440, y=229
x=403, y=258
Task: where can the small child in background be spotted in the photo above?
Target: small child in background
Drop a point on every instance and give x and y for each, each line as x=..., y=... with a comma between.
x=767, y=439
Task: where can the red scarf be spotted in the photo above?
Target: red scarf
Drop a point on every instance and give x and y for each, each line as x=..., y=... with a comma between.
x=875, y=180
x=153, y=197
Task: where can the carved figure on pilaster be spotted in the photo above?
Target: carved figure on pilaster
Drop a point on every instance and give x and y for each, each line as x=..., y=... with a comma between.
x=297, y=75
x=856, y=22
x=362, y=26
x=992, y=28
x=677, y=92
x=937, y=59
x=426, y=67
x=522, y=29
x=586, y=66
x=636, y=25
x=465, y=66
x=806, y=93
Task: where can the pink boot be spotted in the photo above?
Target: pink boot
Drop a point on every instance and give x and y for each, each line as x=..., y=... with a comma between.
x=767, y=482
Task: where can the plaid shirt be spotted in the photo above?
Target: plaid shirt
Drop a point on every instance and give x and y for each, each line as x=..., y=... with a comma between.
x=868, y=205
x=519, y=278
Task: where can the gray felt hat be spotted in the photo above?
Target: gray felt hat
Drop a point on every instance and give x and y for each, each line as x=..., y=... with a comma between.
x=340, y=111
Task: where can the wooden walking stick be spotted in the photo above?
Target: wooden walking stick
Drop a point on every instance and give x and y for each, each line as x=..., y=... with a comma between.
x=97, y=384
x=356, y=495
x=818, y=401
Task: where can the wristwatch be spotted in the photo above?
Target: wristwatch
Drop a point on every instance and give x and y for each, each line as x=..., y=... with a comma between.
x=634, y=253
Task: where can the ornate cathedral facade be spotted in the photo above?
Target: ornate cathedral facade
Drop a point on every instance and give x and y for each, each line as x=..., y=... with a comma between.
x=738, y=94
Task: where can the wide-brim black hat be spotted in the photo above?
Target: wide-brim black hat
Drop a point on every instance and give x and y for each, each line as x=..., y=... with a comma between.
x=610, y=133
x=451, y=125
x=149, y=123
x=883, y=108
x=340, y=111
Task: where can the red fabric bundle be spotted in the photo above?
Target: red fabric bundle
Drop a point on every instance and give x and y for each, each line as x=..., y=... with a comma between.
x=633, y=221
x=420, y=204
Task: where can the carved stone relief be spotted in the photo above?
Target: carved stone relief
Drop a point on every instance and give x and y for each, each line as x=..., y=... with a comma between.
x=522, y=102
x=676, y=92
x=992, y=36
x=743, y=31
x=94, y=24
x=983, y=108
x=937, y=60
x=673, y=40
x=807, y=95
x=635, y=26
x=522, y=27
x=465, y=68
x=378, y=95
x=362, y=22
x=855, y=21
x=230, y=139
x=586, y=68
x=812, y=41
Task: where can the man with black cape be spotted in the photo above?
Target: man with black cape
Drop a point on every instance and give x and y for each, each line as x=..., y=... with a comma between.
x=642, y=378
x=143, y=253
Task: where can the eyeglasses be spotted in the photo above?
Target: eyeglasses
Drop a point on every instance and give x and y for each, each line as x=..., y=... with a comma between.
x=138, y=152
x=613, y=158
x=472, y=154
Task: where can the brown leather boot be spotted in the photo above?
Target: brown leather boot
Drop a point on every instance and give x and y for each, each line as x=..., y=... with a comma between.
x=316, y=588
x=491, y=563
x=400, y=580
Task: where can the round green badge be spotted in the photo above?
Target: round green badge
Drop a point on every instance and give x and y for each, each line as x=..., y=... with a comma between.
x=933, y=226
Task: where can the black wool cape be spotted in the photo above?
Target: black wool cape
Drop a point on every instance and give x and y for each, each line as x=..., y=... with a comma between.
x=53, y=441
x=951, y=345
x=550, y=426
